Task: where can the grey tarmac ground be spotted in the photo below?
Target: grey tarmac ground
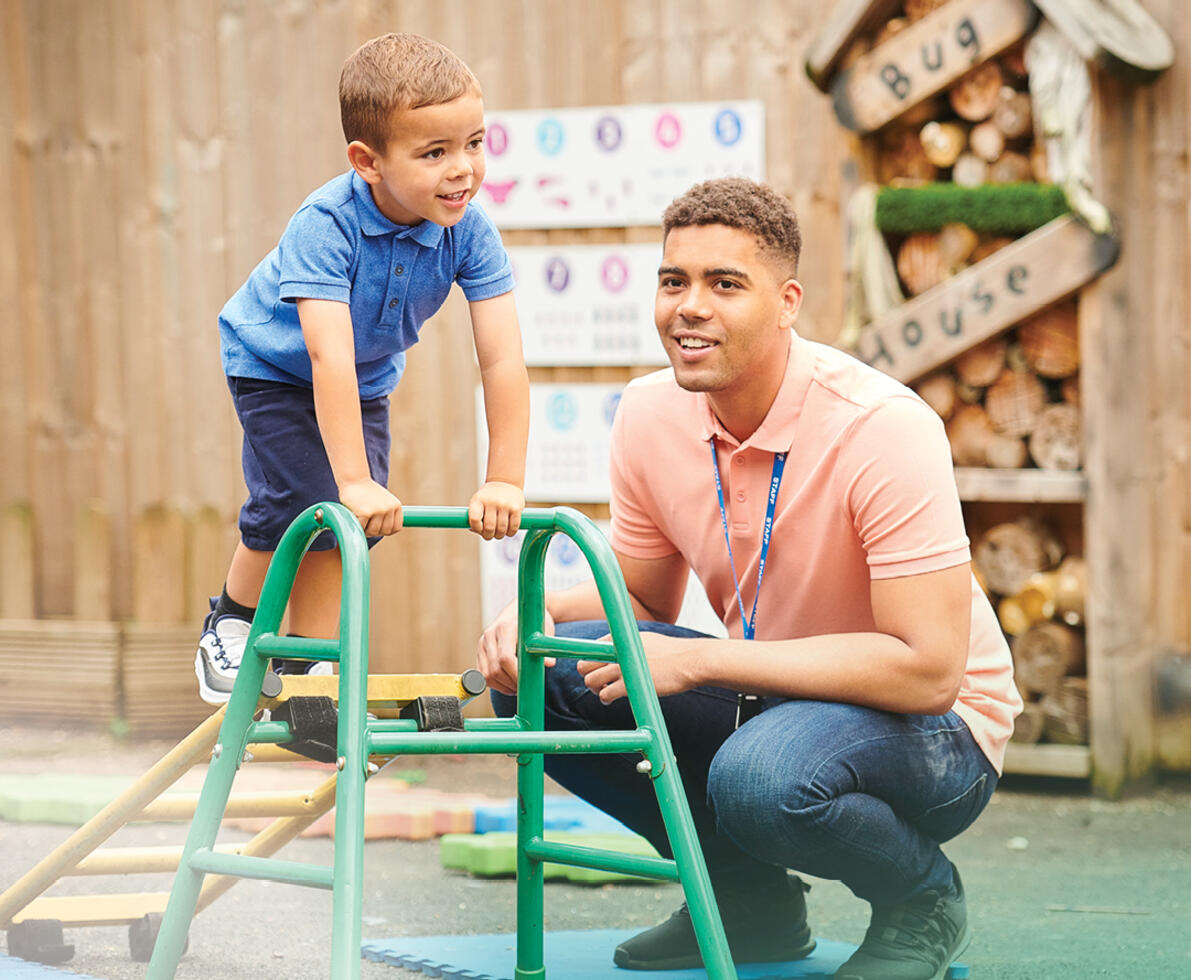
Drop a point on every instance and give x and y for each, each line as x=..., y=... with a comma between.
x=1060, y=884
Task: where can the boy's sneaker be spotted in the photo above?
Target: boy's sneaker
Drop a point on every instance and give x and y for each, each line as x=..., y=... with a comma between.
x=313, y=668
x=761, y=928
x=220, y=650
x=917, y=940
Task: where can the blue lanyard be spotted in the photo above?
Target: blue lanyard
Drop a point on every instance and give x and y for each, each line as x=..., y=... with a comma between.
x=775, y=481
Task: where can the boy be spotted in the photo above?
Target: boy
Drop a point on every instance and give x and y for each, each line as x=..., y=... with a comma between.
x=314, y=341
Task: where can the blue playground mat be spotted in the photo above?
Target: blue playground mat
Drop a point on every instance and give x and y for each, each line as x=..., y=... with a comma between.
x=12, y=968
x=584, y=953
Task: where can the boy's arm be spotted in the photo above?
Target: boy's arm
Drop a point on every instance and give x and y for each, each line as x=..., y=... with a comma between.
x=327, y=331
x=495, y=509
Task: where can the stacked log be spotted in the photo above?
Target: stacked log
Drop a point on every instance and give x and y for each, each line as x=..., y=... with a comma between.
x=1013, y=401
x=1038, y=594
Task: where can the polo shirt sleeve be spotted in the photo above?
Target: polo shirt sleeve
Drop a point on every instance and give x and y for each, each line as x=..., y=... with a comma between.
x=901, y=492
x=316, y=255
x=484, y=268
x=634, y=531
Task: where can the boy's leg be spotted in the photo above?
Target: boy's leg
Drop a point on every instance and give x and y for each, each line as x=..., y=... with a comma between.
x=865, y=797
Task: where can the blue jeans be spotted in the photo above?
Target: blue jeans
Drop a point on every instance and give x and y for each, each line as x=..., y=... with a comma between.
x=834, y=790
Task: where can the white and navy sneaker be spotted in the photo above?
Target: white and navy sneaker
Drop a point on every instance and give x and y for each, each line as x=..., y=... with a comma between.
x=221, y=647
x=314, y=668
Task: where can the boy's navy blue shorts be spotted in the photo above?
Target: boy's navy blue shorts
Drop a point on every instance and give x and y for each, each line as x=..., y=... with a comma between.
x=285, y=465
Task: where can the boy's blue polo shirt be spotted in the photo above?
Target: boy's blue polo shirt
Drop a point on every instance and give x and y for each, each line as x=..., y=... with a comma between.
x=338, y=246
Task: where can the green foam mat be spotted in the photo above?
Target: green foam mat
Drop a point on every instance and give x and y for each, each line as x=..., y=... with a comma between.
x=495, y=854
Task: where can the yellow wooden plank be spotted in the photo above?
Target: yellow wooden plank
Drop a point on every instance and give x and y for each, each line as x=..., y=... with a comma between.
x=94, y=910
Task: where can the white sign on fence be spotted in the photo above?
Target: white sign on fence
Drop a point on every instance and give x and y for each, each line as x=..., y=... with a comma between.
x=588, y=304
x=566, y=566
x=613, y=166
x=570, y=426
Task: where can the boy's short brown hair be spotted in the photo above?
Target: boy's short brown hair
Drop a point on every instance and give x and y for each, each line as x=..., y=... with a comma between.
x=394, y=72
x=737, y=202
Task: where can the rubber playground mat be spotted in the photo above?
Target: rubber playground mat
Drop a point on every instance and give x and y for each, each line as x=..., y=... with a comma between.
x=581, y=953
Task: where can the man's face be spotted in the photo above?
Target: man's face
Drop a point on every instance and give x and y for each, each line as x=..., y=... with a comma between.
x=434, y=164
x=721, y=309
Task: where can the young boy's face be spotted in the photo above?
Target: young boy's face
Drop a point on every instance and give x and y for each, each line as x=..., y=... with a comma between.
x=434, y=163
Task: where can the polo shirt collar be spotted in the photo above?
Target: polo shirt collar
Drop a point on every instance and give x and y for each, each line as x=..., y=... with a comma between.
x=372, y=222
x=775, y=434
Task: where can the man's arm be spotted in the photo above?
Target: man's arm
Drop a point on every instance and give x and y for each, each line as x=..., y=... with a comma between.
x=327, y=331
x=655, y=588
x=495, y=509
x=912, y=663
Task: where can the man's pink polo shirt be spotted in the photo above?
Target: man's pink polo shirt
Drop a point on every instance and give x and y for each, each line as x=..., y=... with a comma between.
x=868, y=492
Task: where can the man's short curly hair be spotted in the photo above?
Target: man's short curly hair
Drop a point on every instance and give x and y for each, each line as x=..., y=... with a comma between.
x=744, y=204
x=394, y=72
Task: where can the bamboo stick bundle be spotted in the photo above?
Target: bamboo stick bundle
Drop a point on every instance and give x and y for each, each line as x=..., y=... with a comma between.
x=1055, y=442
x=1014, y=402
x=920, y=263
x=1050, y=341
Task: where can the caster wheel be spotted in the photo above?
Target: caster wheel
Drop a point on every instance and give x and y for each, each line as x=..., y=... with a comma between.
x=142, y=937
x=39, y=940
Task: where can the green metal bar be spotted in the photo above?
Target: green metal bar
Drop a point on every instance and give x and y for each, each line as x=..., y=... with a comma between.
x=659, y=757
x=498, y=743
x=563, y=646
x=348, y=890
x=299, y=647
x=596, y=857
x=531, y=772
x=233, y=732
x=524, y=735
x=263, y=869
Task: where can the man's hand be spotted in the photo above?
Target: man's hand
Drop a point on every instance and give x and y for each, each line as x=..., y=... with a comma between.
x=674, y=664
x=496, y=653
x=377, y=510
x=494, y=510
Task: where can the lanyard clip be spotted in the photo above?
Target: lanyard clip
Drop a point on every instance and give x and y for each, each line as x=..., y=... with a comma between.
x=748, y=706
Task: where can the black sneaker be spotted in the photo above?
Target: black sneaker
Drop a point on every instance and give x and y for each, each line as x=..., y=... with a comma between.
x=760, y=929
x=917, y=940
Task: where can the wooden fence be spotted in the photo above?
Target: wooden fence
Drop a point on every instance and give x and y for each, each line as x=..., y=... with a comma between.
x=150, y=154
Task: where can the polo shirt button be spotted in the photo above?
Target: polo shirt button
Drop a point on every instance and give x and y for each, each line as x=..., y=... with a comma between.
x=400, y=270
x=394, y=303
x=738, y=460
x=740, y=495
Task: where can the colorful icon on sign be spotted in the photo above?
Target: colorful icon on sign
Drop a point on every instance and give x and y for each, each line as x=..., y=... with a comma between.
x=728, y=127
x=551, y=136
x=510, y=548
x=496, y=139
x=668, y=130
x=499, y=190
x=608, y=133
x=564, y=551
x=561, y=411
x=614, y=273
x=558, y=274
x=611, y=404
